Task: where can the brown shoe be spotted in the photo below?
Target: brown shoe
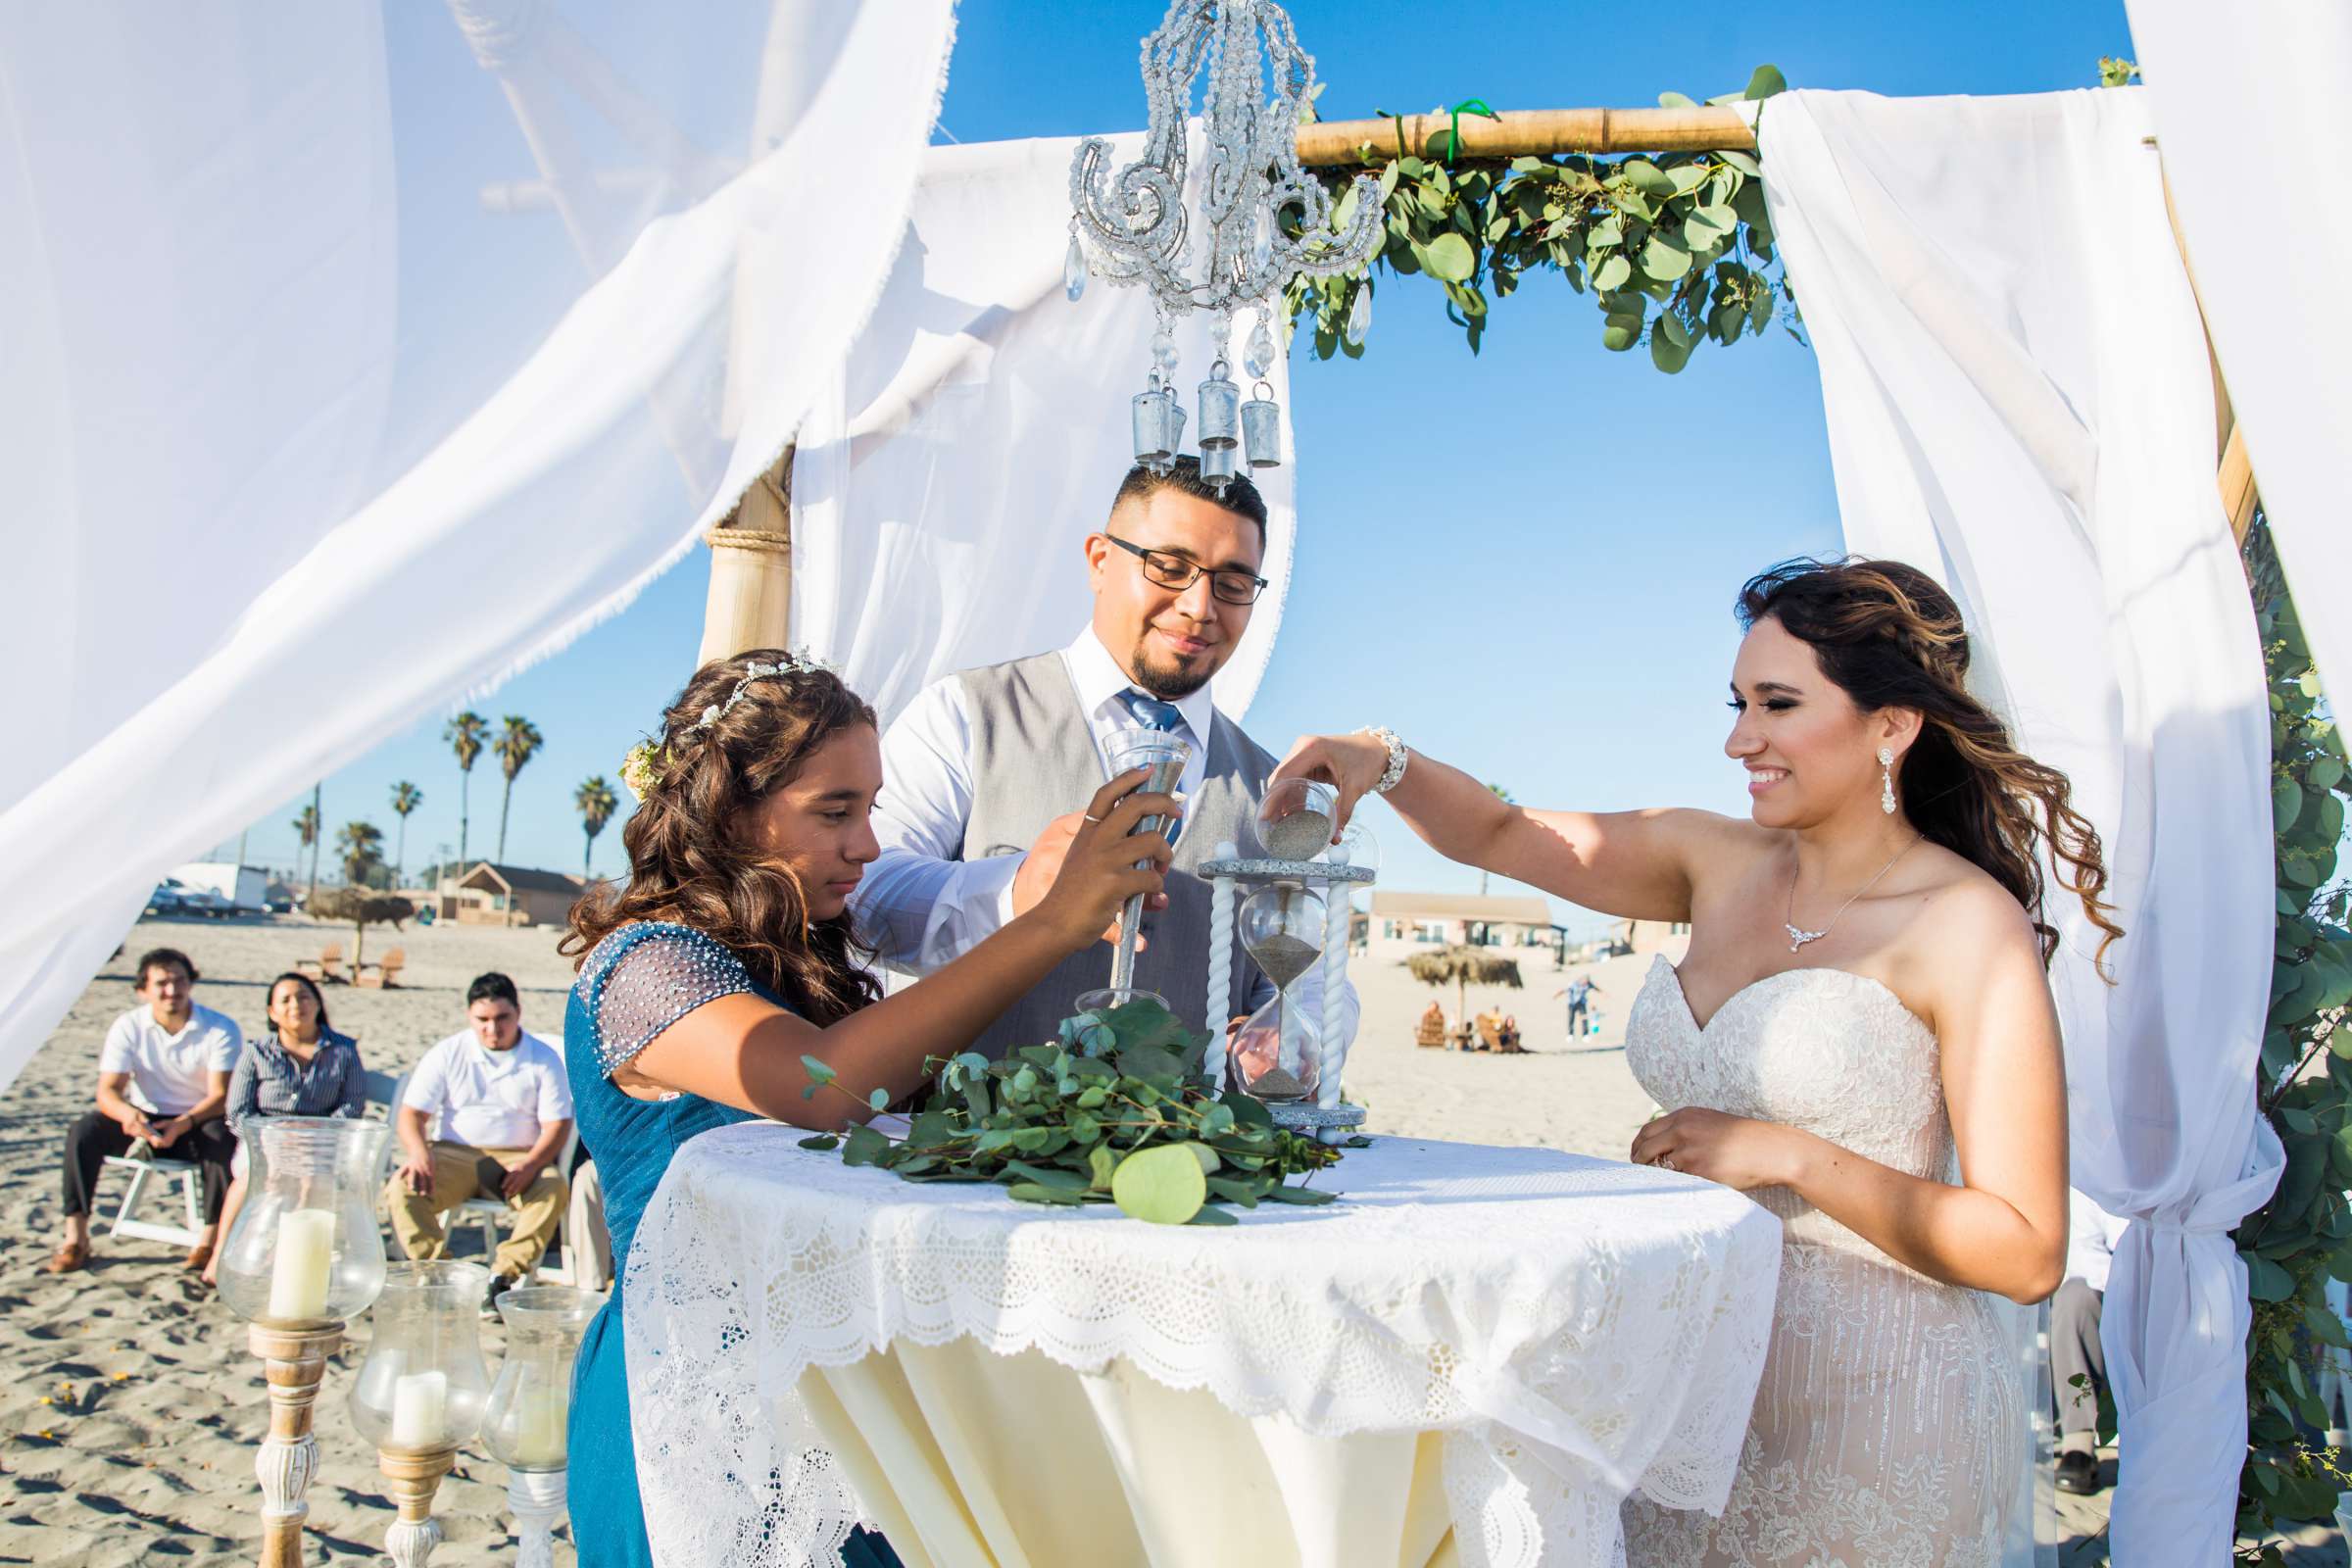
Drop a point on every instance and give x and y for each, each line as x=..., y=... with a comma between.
x=198, y=1255
x=69, y=1258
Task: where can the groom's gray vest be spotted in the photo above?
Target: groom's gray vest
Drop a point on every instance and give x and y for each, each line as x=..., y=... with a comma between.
x=1034, y=760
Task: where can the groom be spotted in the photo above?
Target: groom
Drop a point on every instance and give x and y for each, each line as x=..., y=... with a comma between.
x=987, y=772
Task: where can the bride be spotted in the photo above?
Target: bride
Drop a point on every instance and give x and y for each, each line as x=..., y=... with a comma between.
x=1861, y=1037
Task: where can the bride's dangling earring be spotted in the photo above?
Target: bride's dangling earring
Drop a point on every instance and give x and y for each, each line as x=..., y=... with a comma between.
x=1886, y=779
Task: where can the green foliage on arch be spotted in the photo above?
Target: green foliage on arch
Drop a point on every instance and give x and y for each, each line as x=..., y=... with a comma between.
x=2302, y=1238
x=1675, y=249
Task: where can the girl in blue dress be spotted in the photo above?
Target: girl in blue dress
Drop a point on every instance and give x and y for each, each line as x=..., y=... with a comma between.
x=727, y=954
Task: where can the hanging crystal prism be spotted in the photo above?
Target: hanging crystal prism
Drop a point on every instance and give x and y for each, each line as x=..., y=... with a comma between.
x=1258, y=359
x=1073, y=268
x=1359, y=315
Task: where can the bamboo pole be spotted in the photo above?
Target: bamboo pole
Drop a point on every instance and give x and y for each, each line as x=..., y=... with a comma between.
x=1530, y=133
x=749, y=604
x=2235, y=471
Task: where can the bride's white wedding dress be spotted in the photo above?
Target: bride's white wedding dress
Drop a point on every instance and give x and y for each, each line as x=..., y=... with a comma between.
x=1888, y=1429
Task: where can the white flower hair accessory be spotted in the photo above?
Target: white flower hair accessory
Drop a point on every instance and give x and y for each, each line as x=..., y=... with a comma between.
x=648, y=762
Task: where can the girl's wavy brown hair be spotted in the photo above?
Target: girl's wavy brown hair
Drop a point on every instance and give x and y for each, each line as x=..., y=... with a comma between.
x=1888, y=636
x=688, y=861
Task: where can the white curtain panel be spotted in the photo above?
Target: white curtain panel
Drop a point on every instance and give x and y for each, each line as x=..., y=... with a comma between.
x=2240, y=96
x=978, y=431
x=357, y=357
x=2019, y=402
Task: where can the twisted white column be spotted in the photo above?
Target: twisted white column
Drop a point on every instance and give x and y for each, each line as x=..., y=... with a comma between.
x=1220, y=968
x=1335, y=972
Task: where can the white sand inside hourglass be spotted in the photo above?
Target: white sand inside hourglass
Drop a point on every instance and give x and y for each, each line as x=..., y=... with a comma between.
x=1300, y=836
x=1285, y=957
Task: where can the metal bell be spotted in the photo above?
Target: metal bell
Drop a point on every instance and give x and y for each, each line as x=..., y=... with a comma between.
x=1220, y=414
x=1261, y=429
x=1154, y=438
x=1217, y=465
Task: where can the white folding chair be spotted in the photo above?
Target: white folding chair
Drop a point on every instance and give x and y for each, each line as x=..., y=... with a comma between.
x=144, y=1166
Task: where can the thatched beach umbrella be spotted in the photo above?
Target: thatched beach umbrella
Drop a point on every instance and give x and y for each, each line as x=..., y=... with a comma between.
x=362, y=908
x=1463, y=967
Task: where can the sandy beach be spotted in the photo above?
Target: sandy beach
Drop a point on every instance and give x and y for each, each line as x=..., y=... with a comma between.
x=133, y=1409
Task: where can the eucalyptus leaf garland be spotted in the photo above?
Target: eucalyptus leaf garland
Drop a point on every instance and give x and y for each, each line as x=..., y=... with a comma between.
x=2302, y=1238
x=1675, y=249
x=1116, y=1111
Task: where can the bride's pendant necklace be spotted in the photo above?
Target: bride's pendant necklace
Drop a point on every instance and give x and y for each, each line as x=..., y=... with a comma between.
x=1799, y=936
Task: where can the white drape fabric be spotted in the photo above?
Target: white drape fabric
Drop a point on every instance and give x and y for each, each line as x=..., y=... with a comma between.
x=2240, y=103
x=2019, y=402
x=977, y=434
x=357, y=359
x=1573, y=1329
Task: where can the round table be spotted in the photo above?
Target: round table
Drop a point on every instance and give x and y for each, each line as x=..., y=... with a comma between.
x=1473, y=1356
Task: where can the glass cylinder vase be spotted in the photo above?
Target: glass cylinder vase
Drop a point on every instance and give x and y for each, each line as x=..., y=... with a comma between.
x=424, y=1385
x=305, y=1249
x=530, y=1406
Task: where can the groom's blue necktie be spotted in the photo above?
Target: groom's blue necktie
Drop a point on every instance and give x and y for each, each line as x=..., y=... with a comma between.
x=1149, y=712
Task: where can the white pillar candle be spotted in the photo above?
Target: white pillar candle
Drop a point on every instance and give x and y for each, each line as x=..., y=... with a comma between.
x=305, y=1253
x=1220, y=969
x=420, y=1411
x=539, y=1417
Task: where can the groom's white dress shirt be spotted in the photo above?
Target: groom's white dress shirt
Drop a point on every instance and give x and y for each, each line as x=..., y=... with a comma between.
x=919, y=905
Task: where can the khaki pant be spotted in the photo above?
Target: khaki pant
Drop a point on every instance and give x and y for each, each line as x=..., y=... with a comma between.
x=461, y=1173
x=584, y=1231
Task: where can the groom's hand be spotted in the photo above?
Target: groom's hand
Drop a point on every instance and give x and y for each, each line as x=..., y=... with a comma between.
x=1044, y=863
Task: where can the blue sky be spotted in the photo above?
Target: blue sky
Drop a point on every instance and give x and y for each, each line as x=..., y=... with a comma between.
x=1523, y=561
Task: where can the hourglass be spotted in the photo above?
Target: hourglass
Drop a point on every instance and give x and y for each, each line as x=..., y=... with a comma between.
x=1292, y=885
x=1278, y=1055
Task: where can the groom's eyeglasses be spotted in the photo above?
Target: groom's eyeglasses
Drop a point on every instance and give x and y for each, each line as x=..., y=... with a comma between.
x=1234, y=587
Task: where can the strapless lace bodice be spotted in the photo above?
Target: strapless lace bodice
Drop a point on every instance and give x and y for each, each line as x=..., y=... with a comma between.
x=1889, y=1425
x=1833, y=1052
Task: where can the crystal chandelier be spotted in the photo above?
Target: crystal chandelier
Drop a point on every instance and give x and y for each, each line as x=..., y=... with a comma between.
x=1261, y=219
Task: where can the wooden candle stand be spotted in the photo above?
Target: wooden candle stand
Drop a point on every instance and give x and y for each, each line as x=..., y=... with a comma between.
x=415, y=1475
x=294, y=1361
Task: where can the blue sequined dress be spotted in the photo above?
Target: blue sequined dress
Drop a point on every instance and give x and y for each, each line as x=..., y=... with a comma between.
x=636, y=983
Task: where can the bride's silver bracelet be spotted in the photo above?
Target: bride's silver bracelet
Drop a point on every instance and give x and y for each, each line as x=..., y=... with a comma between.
x=1397, y=756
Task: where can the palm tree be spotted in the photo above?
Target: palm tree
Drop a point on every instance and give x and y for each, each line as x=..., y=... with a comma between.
x=516, y=745
x=465, y=734
x=597, y=803
x=306, y=824
x=361, y=845
x=1463, y=967
x=406, y=798
x=1504, y=795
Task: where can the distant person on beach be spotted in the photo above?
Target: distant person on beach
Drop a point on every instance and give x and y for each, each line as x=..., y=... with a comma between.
x=162, y=1081
x=987, y=774
x=297, y=1065
x=500, y=1107
x=1579, y=993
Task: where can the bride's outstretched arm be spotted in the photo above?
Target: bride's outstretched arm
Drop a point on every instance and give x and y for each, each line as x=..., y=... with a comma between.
x=1628, y=864
x=2004, y=1088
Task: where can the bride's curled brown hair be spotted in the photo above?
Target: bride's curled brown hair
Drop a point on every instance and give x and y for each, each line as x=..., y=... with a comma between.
x=1888, y=636
x=690, y=861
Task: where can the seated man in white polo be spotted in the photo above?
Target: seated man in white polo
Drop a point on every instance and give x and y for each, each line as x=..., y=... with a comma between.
x=162, y=1081
x=500, y=1110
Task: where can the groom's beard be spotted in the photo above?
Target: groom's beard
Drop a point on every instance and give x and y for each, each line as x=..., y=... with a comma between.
x=1166, y=679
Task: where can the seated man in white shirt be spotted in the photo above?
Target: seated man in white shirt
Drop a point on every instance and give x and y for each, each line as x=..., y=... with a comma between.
x=986, y=773
x=501, y=1109
x=162, y=1081
x=2075, y=1352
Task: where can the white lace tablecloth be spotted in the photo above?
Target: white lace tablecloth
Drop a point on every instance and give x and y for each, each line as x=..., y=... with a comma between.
x=1577, y=1328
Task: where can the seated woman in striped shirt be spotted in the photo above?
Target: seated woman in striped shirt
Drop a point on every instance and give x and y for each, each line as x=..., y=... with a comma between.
x=298, y=1066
